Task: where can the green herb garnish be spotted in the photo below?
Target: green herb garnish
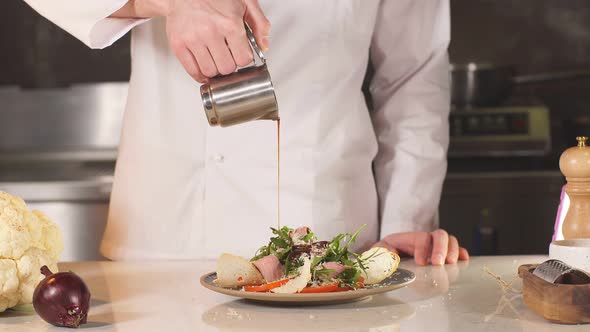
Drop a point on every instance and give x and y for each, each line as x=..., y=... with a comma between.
x=309, y=238
x=349, y=277
x=338, y=253
x=338, y=250
x=280, y=245
x=291, y=266
x=321, y=273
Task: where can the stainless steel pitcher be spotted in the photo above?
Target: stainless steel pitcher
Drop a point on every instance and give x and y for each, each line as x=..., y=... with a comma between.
x=242, y=96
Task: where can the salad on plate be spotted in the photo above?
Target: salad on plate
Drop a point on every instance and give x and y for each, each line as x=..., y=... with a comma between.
x=294, y=261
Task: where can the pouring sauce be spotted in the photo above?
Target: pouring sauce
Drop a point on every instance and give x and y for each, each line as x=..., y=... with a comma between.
x=279, y=174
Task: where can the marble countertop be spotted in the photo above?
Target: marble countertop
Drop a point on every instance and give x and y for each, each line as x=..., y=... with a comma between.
x=167, y=296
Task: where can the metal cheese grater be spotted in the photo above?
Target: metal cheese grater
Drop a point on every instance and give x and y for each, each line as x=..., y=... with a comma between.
x=556, y=271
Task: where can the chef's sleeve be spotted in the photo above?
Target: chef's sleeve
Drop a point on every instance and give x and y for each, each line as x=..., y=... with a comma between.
x=87, y=20
x=411, y=92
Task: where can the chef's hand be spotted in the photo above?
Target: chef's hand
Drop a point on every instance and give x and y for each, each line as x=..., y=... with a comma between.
x=438, y=246
x=207, y=36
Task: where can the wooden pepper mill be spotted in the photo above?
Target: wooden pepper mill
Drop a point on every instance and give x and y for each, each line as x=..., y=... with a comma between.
x=575, y=165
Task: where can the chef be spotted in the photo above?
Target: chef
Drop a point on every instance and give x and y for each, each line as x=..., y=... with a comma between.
x=185, y=190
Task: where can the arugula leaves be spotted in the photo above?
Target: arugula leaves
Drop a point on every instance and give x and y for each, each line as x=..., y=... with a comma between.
x=340, y=253
x=338, y=250
x=291, y=266
x=280, y=245
x=349, y=277
x=309, y=238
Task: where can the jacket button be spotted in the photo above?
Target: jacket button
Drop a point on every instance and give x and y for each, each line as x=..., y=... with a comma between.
x=217, y=158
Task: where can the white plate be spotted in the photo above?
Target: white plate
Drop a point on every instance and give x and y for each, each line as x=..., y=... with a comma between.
x=398, y=279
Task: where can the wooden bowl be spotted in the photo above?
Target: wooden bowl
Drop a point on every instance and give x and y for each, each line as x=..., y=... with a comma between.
x=558, y=303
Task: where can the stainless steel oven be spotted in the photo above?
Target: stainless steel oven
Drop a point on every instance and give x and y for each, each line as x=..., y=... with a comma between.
x=500, y=131
x=503, y=185
x=73, y=195
x=58, y=149
x=501, y=213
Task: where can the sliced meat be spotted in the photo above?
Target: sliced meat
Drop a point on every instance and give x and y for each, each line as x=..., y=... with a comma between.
x=319, y=248
x=298, y=233
x=270, y=268
x=337, y=267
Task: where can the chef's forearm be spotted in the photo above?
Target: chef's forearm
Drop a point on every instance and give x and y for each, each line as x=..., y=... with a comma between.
x=91, y=22
x=143, y=9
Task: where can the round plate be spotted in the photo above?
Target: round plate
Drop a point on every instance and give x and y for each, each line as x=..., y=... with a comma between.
x=398, y=279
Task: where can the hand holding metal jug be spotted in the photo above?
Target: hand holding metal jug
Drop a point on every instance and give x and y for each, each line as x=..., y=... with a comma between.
x=245, y=95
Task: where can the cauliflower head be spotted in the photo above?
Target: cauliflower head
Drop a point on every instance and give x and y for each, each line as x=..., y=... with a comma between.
x=28, y=240
x=9, y=295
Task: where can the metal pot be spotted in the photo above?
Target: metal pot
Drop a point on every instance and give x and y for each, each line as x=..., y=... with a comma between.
x=475, y=84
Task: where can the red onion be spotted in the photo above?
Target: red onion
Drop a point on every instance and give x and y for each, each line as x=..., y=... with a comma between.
x=62, y=299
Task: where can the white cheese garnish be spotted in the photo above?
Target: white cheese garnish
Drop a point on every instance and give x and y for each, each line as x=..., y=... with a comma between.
x=296, y=284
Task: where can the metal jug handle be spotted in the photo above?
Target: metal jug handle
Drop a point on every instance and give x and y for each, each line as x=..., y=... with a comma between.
x=254, y=44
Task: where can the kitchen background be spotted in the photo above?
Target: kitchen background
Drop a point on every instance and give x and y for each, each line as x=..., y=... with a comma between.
x=61, y=106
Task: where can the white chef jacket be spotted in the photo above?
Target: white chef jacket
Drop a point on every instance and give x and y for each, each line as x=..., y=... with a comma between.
x=184, y=190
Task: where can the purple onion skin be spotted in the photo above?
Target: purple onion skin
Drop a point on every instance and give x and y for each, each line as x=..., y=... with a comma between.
x=62, y=299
